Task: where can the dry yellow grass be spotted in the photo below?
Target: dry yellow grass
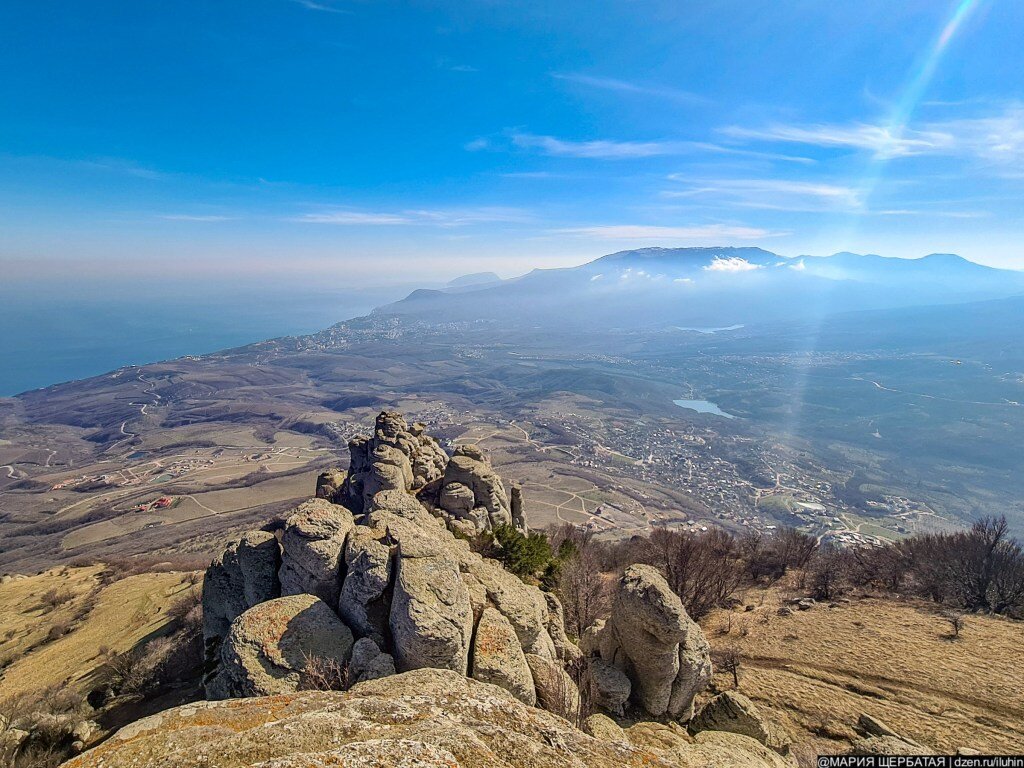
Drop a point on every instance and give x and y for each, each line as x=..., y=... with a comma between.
x=124, y=612
x=819, y=669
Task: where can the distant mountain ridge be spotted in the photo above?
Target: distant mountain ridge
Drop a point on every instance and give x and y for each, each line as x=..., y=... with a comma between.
x=656, y=287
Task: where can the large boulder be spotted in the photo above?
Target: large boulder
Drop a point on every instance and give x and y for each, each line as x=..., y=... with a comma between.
x=498, y=657
x=733, y=712
x=243, y=575
x=271, y=645
x=650, y=637
x=364, y=603
x=469, y=473
x=609, y=686
x=431, y=618
x=439, y=716
x=313, y=540
x=556, y=691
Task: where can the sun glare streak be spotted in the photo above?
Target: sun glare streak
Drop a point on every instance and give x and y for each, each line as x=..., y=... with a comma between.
x=896, y=128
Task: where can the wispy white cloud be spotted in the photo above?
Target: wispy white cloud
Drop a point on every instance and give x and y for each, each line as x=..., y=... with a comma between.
x=626, y=86
x=996, y=138
x=451, y=217
x=730, y=264
x=193, y=217
x=708, y=232
x=772, y=194
x=614, y=149
x=879, y=140
x=604, y=149
x=326, y=8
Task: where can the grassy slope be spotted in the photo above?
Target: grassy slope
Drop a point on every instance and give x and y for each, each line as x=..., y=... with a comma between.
x=818, y=669
x=125, y=612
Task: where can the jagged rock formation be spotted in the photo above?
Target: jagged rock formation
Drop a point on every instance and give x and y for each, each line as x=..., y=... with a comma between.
x=733, y=712
x=652, y=640
x=424, y=718
x=397, y=457
x=472, y=493
x=380, y=585
x=390, y=582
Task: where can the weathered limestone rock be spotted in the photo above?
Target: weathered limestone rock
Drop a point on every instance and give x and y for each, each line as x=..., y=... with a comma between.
x=694, y=671
x=498, y=658
x=470, y=469
x=396, y=457
x=243, y=575
x=364, y=604
x=556, y=691
x=314, y=536
x=269, y=646
x=733, y=712
x=610, y=687
x=380, y=723
x=516, y=508
x=329, y=484
x=603, y=728
x=431, y=618
x=650, y=638
x=524, y=606
x=565, y=649
x=259, y=558
x=369, y=662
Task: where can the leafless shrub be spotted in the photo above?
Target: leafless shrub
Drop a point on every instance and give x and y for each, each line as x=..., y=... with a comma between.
x=728, y=660
x=58, y=630
x=323, y=674
x=56, y=597
x=956, y=624
x=138, y=671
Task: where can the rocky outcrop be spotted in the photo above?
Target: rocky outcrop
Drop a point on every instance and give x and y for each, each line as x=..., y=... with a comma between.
x=364, y=603
x=396, y=457
x=423, y=718
x=472, y=493
x=733, y=712
x=369, y=662
x=431, y=618
x=314, y=536
x=270, y=646
x=556, y=691
x=498, y=657
x=609, y=686
x=244, y=575
x=604, y=728
x=652, y=640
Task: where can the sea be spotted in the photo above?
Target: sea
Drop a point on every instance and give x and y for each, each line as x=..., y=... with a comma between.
x=52, y=332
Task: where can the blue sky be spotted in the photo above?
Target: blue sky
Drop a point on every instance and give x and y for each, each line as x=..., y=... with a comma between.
x=382, y=141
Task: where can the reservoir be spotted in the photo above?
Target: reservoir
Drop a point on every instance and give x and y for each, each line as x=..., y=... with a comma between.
x=703, y=406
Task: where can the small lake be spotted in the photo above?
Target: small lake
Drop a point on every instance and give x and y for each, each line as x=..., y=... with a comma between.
x=703, y=406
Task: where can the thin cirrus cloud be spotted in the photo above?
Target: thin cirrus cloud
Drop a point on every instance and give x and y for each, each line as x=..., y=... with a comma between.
x=996, y=138
x=613, y=149
x=880, y=140
x=193, y=217
x=626, y=86
x=772, y=194
x=707, y=232
x=324, y=7
x=452, y=217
